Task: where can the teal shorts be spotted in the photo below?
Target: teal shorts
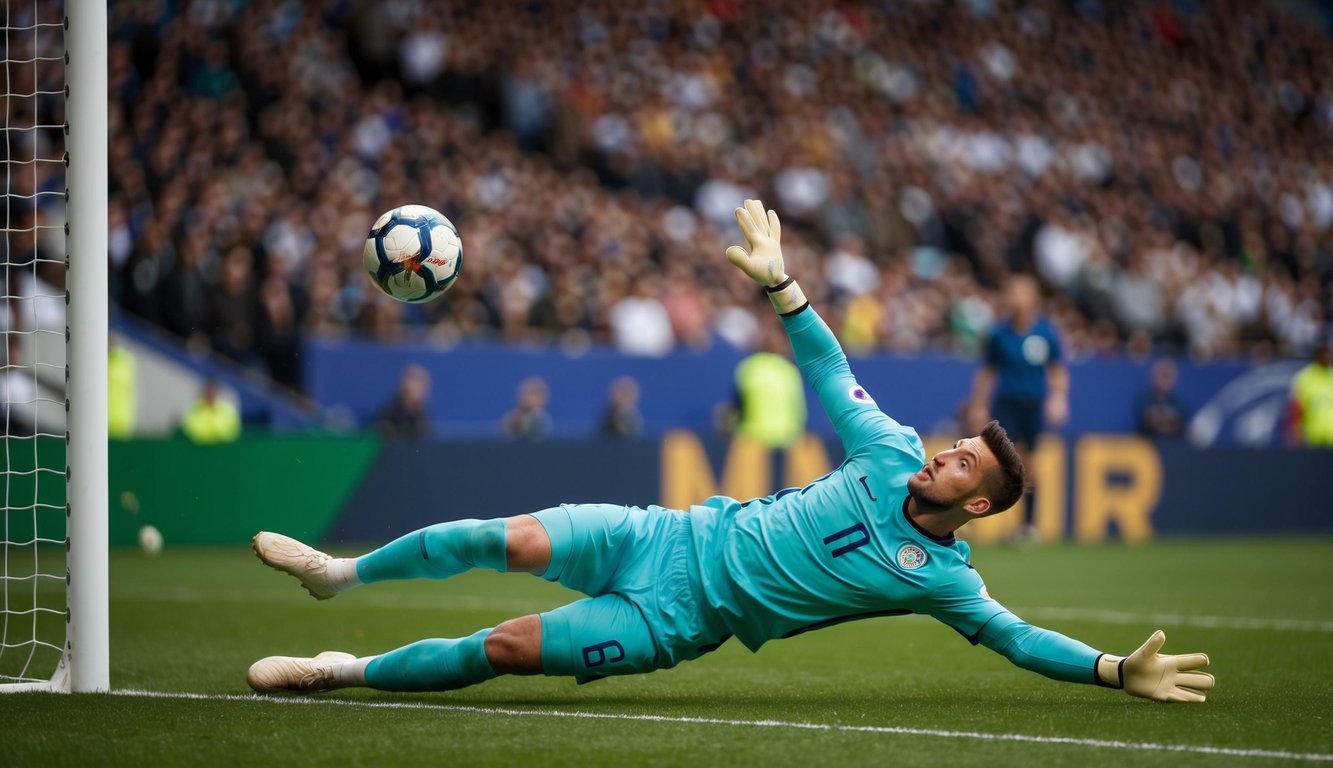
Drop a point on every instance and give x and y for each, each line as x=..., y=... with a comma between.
x=642, y=611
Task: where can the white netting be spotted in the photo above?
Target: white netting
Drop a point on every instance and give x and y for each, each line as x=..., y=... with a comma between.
x=32, y=324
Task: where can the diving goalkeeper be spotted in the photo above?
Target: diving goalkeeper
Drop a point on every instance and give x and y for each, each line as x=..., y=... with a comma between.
x=875, y=537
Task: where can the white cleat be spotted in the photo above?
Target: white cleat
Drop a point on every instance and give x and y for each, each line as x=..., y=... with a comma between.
x=307, y=564
x=295, y=674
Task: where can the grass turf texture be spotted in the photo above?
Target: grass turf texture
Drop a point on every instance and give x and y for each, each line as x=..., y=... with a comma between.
x=193, y=620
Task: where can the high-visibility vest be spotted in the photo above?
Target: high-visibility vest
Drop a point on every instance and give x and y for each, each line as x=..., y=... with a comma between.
x=122, y=396
x=1313, y=390
x=772, y=399
x=210, y=424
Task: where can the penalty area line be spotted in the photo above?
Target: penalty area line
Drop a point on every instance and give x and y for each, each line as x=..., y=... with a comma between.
x=455, y=602
x=1139, y=746
x=1175, y=620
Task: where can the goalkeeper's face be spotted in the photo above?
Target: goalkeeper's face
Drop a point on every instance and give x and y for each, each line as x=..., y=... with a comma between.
x=954, y=477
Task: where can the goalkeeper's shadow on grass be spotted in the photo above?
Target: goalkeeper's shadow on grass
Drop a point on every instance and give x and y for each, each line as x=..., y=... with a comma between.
x=707, y=702
x=643, y=702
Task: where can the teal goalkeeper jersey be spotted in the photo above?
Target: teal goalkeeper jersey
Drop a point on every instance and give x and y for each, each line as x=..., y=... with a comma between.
x=844, y=548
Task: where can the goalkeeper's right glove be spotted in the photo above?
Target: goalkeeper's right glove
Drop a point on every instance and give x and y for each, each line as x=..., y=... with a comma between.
x=1152, y=675
x=763, y=262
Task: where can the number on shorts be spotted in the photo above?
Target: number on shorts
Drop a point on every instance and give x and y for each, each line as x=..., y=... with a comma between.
x=597, y=655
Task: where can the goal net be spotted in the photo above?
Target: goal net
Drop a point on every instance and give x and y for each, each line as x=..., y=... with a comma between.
x=50, y=521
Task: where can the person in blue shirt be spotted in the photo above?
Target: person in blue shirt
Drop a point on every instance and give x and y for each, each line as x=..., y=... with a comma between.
x=1159, y=411
x=874, y=537
x=1022, y=382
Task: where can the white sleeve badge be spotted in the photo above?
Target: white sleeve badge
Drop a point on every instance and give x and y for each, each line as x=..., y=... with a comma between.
x=859, y=394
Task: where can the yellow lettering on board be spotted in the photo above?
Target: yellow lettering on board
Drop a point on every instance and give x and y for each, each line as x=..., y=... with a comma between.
x=687, y=475
x=1099, y=501
x=1048, y=487
x=807, y=460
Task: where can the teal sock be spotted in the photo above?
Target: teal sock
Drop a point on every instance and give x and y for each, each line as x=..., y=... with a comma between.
x=437, y=552
x=432, y=665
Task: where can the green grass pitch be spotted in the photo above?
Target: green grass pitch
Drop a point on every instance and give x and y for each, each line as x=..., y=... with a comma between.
x=896, y=691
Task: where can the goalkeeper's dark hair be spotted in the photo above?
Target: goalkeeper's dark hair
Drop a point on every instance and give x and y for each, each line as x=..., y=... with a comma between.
x=1003, y=485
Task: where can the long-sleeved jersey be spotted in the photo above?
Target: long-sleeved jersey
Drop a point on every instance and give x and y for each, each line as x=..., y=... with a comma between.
x=844, y=548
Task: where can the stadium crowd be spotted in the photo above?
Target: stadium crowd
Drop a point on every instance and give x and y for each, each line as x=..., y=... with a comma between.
x=1166, y=169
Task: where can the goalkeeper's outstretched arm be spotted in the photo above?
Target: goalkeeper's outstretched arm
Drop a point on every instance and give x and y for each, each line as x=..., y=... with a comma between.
x=1145, y=673
x=855, y=417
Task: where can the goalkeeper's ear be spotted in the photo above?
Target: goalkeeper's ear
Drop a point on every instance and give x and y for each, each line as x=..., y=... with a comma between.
x=978, y=507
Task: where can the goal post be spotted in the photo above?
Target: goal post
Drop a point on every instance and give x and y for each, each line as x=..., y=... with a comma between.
x=87, y=645
x=54, y=628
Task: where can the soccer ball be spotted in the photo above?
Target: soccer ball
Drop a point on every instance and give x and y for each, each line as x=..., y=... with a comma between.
x=150, y=539
x=413, y=253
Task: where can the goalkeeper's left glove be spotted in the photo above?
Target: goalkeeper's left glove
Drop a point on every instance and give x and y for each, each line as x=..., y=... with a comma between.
x=763, y=262
x=1152, y=675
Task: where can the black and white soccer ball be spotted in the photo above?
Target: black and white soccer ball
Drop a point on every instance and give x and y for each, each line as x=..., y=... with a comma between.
x=413, y=253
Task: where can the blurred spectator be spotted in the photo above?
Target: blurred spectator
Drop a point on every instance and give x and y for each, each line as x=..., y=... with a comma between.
x=18, y=390
x=847, y=269
x=1159, y=411
x=527, y=107
x=529, y=420
x=1022, y=381
x=122, y=392
x=769, y=406
x=213, y=418
x=232, y=312
x=406, y=415
x=277, y=335
x=621, y=418
x=640, y=324
x=1312, y=400
x=687, y=305
x=1061, y=248
x=424, y=52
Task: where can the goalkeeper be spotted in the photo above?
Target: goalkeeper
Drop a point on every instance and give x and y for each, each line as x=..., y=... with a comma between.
x=875, y=537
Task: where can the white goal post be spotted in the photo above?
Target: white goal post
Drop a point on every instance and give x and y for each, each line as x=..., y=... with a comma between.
x=87, y=647
x=33, y=564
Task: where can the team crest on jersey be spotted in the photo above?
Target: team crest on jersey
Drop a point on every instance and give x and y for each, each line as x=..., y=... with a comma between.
x=911, y=557
x=1036, y=350
x=860, y=395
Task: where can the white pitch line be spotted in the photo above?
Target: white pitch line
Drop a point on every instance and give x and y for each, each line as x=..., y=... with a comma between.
x=361, y=600
x=1140, y=746
x=1176, y=620
x=516, y=606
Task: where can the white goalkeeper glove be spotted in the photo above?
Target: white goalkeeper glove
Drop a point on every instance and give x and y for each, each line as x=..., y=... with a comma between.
x=763, y=262
x=1152, y=675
